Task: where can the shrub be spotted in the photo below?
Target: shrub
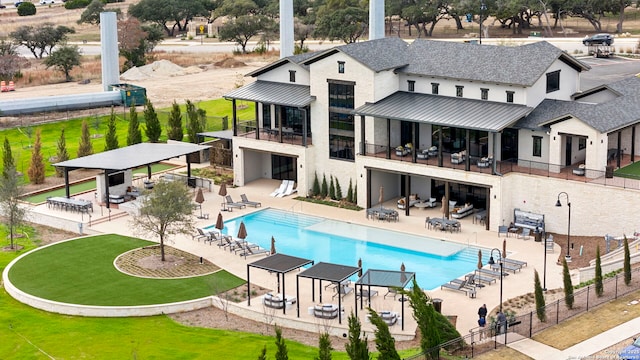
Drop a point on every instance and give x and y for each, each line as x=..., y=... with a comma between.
x=568, y=287
x=324, y=190
x=338, y=190
x=26, y=9
x=350, y=192
x=316, y=185
x=598, y=278
x=540, y=310
x=332, y=188
x=627, y=262
x=76, y=4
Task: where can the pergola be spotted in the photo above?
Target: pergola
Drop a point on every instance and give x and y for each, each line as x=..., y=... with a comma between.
x=384, y=278
x=129, y=157
x=279, y=264
x=333, y=273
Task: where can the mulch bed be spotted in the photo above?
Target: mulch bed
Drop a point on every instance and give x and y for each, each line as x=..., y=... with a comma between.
x=147, y=262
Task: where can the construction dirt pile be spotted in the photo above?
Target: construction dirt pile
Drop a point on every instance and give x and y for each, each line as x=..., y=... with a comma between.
x=158, y=69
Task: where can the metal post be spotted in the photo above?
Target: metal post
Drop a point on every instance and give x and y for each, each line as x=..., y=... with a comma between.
x=558, y=204
x=491, y=262
x=544, y=276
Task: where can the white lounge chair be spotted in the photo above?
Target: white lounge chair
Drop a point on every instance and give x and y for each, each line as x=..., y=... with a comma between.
x=281, y=189
x=289, y=190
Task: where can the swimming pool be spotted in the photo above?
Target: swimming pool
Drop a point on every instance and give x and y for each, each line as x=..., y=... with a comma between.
x=434, y=261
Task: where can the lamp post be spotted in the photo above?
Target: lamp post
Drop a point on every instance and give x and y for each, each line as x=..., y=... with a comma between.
x=483, y=7
x=491, y=262
x=544, y=276
x=558, y=204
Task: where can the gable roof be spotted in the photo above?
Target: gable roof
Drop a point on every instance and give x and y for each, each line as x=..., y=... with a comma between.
x=605, y=117
x=271, y=92
x=377, y=55
x=514, y=65
x=294, y=59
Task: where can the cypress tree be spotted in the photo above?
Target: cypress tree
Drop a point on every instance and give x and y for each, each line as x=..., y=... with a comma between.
x=627, y=262
x=350, y=192
x=338, y=190
x=194, y=123
x=324, y=189
x=85, y=147
x=62, y=153
x=385, y=343
x=7, y=158
x=36, y=168
x=111, y=138
x=324, y=347
x=356, y=348
x=263, y=353
x=598, y=278
x=174, y=124
x=316, y=185
x=134, y=135
x=153, y=130
x=281, y=352
x=332, y=188
x=568, y=287
x=540, y=310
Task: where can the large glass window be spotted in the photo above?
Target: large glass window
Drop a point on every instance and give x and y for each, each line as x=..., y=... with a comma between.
x=341, y=125
x=283, y=168
x=553, y=81
x=537, y=146
x=266, y=115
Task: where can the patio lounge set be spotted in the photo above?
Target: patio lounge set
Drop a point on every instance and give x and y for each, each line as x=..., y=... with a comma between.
x=481, y=277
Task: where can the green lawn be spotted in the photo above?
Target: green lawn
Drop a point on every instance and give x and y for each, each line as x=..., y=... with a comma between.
x=631, y=171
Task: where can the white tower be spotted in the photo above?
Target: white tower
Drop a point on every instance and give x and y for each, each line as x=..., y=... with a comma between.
x=376, y=19
x=109, y=48
x=286, y=28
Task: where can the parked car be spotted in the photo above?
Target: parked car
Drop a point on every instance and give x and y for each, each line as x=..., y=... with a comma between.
x=598, y=39
x=631, y=352
x=2, y=6
x=46, y=2
x=17, y=3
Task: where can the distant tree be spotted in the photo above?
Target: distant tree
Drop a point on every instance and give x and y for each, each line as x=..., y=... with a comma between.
x=62, y=154
x=64, y=59
x=316, y=185
x=281, y=352
x=350, y=192
x=166, y=211
x=347, y=24
x=332, y=188
x=11, y=208
x=153, y=129
x=111, y=138
x=324, y=189
x=136, y=41
x=539, y=295
x=76, y=4
x=26, y=9
x=263, y=353
x=171, y=15
x=41, y=39
x=36, y=168
x=338, y=191
x=134, y=135
x=568, y=287
x=174, y=124
x=10, y=60
x=241, y=29
x=91, y=15
x=627, y=262
x=385, y=343
x=598, y=277
x=194, y=122
x=356, y=348
x=85, y=147
x=324, y=347
x=7, y=158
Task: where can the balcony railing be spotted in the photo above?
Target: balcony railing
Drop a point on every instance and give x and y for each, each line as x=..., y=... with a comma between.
x=247, y=129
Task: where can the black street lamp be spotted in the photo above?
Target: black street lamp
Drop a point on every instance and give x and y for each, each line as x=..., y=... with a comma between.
x=483, y=7
x=491, y=262
x=558, y=204
x=544, y=276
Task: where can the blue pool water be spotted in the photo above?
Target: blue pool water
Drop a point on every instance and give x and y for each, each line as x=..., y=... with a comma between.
x=434, y=261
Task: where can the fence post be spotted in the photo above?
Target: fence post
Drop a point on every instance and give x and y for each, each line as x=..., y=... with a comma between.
x=531, y=324
x=557, y=311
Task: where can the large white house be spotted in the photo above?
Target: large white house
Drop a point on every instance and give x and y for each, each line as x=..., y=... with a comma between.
x=499, y=127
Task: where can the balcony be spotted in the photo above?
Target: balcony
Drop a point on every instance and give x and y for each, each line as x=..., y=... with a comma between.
x=247, y=129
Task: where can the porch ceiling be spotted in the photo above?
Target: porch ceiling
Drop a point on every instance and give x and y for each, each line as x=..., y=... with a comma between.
x=446, y=111
x=273, y=93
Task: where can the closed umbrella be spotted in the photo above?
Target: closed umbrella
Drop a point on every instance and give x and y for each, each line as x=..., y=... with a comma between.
x=504, y=248
x=199, y=199
x=223, y=192
x=445, y=207
x=219, y=222
x=381, y=197
x=273, y=245
x=479, y=259
x=403, y=277
x=360, y=266
x=242, y=232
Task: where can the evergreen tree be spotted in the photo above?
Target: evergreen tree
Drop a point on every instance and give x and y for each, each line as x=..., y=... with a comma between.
x=385, y=343
x=598, y=278
x=356, y=348
x=350, y=192
x=281, y=352
x=568, y=287
x=194, y=122
x=539, y=294
x=7, y=158
x=174, y=124
x=111, y=138
x=263, y=353
x=332, y=188
x=85, y=147
x=338, y=190
x=11, y=208
x=627, y=262
x=355, y=194
x=316, y=185
x=324, y=347
x=134, y=135
x=36, y=168
x=62, y=154
x=324, y=189
x=153, y=130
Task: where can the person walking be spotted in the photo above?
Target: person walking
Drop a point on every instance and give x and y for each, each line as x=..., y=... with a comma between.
x=502, y=322
x=482, y=311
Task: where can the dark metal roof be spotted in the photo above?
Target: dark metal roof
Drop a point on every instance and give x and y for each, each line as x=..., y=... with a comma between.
x=131, y=157
x=386, y=278
x=280, y=263
x=331, y=272
x=295, y=59
x=273, y=93
x=223, y=134
x=377, y=55
x=446, y=110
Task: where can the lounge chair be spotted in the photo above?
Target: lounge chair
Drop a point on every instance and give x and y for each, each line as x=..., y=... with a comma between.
x=231, y=204
x=289, y=190
x=253, y=250
x=515, y=262
x=391, y=291
x=343, y=290
x=281, y=189
x=241, y=246
x=507, y=267
x=201, y=235
x=526, y=232
x=481, y=279
x=366, y=293
x=220, y=238
x=249, y=203
x=389, y=317
x=460, y=285
x=491, y=273
x=326, y=311
x=503, y=230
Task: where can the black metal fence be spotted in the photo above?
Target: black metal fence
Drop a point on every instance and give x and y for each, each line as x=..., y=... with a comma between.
x=480, y=340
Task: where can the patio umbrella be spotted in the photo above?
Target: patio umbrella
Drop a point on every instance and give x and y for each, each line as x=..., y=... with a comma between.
x=219, y=222
x=242, y=232
x=381, y=197
x=504, y=248
x=360, y=266
x=223, y=191
x=479, y=259
x=403, y=277
x=273, y=245
x=445, y=207
x=199, y=199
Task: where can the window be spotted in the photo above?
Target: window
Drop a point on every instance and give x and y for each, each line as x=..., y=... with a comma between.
x=341, y=67
x=341, y=124
x=582, y=143
x=411, y=85
x=537, y=146
x=553, y=81
x=266, y=115
x=459, y=89
x=292, y=76
x=484, y=94
x=434, y=88
x=510, y=96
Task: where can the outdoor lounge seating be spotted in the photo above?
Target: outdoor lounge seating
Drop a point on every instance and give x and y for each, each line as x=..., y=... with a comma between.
x=276, y=301
x=423, y=154
x=413, y=200
x=391, y=291
x=366, y=293
x=460, y=212
x=460, y=285
x=514, y=262
x=503, y=230
x=485, y=162
x=326, y=311
x=505, y=267
x=281, y=189
x=343, y=290
x=289, y=189
x=493, y=273
x=404, y=150
x=525, y=234
x=477, y=278
x=230, y=204
x=389, y=317
x=246, y=201
x=201, y=235
x=458, y=158
x=250, y=250
x=580, y=170
x=220, y=238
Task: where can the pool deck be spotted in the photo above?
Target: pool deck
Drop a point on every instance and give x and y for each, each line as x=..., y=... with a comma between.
x=454, y=302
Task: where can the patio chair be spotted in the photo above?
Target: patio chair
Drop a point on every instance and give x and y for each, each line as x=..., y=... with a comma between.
x=241, y=246
x=503, y=230
x=251, y=250
x=220, y=238
x=491, y=273
x=461, y=285
x=505, y=267
x=389, y=317
x=391, y=291
x=479, y=279
x=526, y=232
x=343, y=290
x=200, y=235
x=281, y=189
x=232, y=204
x=249, y=203
x=289, y=190
x=366, y=293
x=514, y=262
